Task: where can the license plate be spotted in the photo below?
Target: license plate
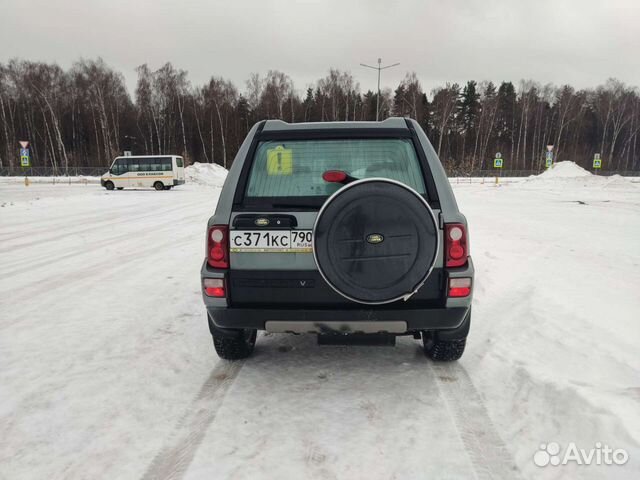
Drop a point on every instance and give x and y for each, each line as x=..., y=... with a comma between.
x=271, y=241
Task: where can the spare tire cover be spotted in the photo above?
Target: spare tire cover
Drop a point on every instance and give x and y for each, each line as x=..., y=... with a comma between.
x=375, y=241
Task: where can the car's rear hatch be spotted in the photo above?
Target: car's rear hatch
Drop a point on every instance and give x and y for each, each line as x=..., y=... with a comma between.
x=279, y=195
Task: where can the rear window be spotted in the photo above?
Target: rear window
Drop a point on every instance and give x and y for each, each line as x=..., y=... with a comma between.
x=294, y=168
x=179, y=162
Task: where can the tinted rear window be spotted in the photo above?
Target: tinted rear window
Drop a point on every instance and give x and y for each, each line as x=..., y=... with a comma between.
x=294, y=168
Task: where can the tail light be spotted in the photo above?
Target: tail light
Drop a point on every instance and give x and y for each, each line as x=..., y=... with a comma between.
x=456, y=247
x=218, y=246
x=459, y=287
x=214, y=287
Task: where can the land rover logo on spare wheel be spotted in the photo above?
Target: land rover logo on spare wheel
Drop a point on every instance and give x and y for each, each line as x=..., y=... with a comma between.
x=375, y=238
x=262, y=222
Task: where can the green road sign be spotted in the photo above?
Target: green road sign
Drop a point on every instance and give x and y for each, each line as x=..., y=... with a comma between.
x=25, y=156
x=497, y=162
x=597, y=163
x=548, y=161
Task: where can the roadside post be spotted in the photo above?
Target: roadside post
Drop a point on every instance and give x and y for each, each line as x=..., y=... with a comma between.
x=25, y=159
x=597, y=163
x=497, y=164
x=549, y=157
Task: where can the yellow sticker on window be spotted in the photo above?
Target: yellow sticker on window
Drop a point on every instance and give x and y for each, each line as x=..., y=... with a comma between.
x=279, y=161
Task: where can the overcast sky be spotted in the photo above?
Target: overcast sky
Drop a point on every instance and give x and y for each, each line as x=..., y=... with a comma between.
x=581, y=42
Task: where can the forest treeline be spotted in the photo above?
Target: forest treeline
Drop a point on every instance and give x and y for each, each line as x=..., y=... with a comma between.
x=84, y=116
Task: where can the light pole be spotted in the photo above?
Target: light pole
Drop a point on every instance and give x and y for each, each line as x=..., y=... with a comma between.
x=379, y=68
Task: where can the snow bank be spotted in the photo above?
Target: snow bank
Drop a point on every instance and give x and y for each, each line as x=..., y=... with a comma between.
x=210, y=174
x=571, y=176
x=564, y=170
x=567, y=172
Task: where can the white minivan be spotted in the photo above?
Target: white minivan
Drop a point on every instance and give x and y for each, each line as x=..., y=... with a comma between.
x=158, y=171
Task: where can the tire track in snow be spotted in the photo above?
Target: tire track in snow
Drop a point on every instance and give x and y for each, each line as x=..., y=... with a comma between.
x=79, y=278
x=486, y=450
x=86, y=226
x=172, y=461
x=49, y=259
x=18, y=230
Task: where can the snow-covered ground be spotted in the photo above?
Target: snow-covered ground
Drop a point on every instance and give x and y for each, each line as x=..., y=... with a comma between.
x=107, y=368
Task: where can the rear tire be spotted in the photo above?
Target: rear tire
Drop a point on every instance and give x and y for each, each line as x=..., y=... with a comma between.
x=442, y=350
x=235, y=348
x=109, y=185
x=158, y=186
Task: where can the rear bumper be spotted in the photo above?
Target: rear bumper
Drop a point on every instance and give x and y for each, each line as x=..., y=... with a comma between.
x=451, y=317
x=325, y=319
x=178, y=182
